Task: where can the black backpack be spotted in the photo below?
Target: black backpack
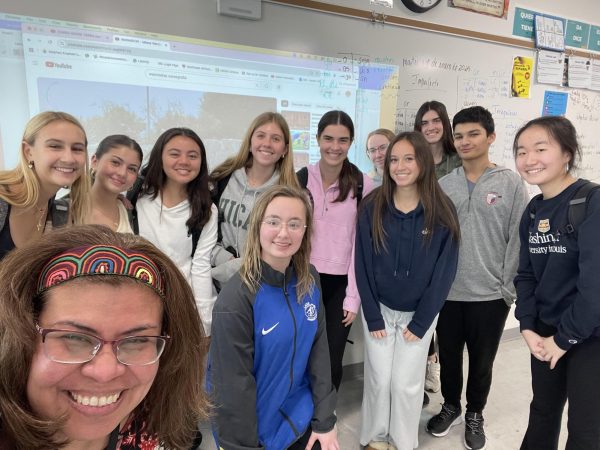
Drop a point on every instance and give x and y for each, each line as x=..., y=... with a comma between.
x=132, y=196
x=577, y=207
x=59, y=212
x=302, y=175
x=215, y=193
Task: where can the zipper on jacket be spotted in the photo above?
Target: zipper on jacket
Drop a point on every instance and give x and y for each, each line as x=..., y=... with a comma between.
x=290, y=423
x=485, y=173
x=287, y=300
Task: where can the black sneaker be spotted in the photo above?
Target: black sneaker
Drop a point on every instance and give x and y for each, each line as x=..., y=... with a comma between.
x=425, y=399
x=474, y=434
x=440, y=425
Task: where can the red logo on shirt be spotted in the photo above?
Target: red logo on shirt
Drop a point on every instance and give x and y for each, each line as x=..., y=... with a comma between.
x=492, y=198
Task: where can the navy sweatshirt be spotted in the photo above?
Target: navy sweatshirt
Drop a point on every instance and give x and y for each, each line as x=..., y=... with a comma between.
x=558, y=281
x=410, y=275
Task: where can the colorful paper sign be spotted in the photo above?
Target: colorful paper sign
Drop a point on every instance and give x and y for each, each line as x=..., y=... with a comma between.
x=521, y=77
x=555, y=103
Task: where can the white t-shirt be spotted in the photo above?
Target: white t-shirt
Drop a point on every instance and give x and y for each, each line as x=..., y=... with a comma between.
x=166, y=228
x=124, y=225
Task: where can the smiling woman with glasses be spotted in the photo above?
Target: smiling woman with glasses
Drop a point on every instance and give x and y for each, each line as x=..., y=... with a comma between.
x=102, y=346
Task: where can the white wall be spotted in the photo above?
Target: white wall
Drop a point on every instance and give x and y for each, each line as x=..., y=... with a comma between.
x=583, y=10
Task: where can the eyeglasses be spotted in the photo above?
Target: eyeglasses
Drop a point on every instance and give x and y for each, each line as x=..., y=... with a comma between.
x=293, y=226
x=381, y=149
x=73, y=347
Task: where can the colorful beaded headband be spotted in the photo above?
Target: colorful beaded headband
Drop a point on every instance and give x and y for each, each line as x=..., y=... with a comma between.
x=100, y=260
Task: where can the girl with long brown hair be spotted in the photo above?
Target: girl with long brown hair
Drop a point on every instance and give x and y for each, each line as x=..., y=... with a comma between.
x=336, y=185
x=406, y=258
x=174, y=210
x=264, y=159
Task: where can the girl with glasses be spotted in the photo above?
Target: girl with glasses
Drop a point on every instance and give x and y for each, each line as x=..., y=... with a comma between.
x=406, y=258
x=378, y=142
x=269, y=363
x=102, y=347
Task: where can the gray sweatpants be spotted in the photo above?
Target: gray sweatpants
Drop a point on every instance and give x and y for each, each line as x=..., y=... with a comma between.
x=394, y=373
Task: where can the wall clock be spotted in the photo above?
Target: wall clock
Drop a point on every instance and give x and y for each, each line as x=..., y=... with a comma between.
x=420, y=6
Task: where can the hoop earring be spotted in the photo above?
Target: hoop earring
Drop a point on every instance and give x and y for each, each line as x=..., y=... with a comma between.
x=30, y=165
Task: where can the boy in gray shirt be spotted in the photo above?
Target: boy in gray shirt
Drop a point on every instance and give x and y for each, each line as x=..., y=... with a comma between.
x=489, y=200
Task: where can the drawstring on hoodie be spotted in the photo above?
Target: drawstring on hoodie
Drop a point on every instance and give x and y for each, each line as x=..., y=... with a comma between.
x=413, y=223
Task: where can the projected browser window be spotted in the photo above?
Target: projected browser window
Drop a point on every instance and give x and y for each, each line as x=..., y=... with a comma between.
x=140, y=84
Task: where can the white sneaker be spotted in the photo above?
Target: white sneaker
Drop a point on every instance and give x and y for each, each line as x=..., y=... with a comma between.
x=432, y=376
x=377, y=445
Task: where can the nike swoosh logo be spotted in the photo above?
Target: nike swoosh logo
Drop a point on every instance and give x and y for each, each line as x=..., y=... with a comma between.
x=265, y=332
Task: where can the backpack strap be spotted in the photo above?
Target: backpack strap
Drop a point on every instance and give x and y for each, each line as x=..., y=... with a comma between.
x=356, y=172
x=215, y=194
x=3, y=213
x=132, y=196
x=578, y=206
x=531, y=207
x=59, y=212
x=218, y=189
x=302, y=176
x=195, y=238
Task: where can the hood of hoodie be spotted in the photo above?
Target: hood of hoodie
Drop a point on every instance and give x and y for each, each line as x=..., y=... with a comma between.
x=235, y=205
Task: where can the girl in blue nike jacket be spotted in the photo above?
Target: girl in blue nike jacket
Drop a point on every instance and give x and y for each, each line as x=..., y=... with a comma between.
x=406, y=258
x=269, y=372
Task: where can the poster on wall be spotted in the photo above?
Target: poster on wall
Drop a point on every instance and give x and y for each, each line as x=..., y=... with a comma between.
x=549, y=32
x=496, y=8
x=521, y=77
x=579, y=72
x=550, y=68
x=555, y=103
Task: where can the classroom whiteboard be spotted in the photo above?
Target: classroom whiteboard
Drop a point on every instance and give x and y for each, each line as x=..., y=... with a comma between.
x=458, y=71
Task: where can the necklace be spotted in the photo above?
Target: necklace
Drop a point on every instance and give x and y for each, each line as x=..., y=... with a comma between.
x=41, y=222
x=104, y=218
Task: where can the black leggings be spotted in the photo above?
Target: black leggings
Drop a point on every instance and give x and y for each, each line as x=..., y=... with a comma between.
x=334, y=293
